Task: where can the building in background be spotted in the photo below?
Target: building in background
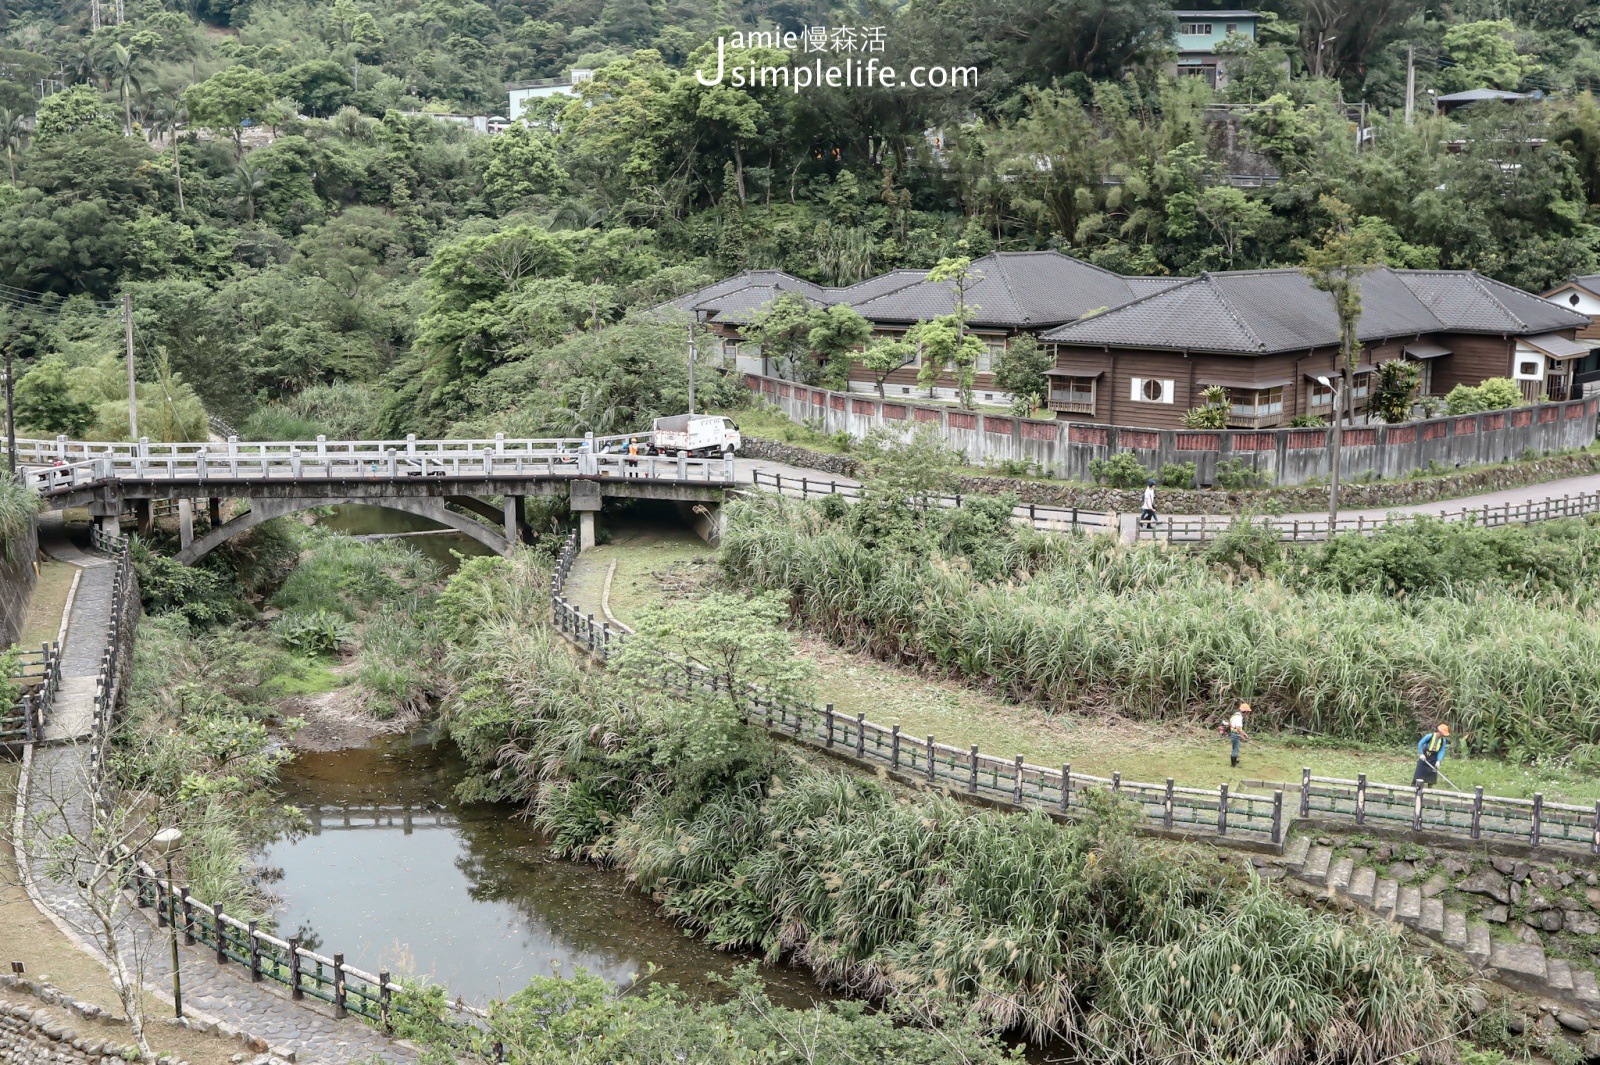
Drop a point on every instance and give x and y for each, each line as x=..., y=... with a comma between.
x=1199, y=34
x=521, y=92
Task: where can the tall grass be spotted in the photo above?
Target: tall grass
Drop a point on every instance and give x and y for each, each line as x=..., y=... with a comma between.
x=19, y=507
x=1157, y=635
x=1122, y=948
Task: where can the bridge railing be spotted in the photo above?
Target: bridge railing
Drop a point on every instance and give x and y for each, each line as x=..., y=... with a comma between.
x=1038, y=515
x=371, y=461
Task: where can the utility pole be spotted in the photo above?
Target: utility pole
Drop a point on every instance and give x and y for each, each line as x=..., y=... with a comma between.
x=133, y=406
x=11, y=420
x=691, y=367
x=119, y=12
x=1411, y=80
x=94, y=16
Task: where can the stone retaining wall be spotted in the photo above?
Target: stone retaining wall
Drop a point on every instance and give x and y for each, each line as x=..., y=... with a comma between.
x=17, y=578
x=33, y=1036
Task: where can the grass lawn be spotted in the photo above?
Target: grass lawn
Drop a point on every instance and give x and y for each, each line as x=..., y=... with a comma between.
x=49, y=599
x=312, y=676
x=27, y=936
x=658, y=562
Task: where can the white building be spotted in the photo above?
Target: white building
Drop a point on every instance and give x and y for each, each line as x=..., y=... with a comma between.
x=523, y=91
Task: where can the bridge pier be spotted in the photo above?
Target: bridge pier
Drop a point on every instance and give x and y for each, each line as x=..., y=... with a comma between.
x=513, y=522
x=214, y=511
x=585, y=502
x=185, y=523
x=144, y=517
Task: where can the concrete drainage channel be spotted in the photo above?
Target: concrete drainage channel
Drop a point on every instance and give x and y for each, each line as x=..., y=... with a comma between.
x=1500, y=913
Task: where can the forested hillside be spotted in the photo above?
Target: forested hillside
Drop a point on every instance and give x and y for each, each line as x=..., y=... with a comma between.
x=305, y=248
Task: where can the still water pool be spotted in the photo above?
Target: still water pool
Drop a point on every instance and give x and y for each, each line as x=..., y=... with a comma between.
x=399, y=874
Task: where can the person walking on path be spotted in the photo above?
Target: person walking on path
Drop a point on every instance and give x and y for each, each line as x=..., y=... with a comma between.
x=1430, y=752
x=1236, y=730
x=1147, y=516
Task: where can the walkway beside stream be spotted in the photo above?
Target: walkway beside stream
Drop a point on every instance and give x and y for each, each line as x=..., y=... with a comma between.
x=61, y=778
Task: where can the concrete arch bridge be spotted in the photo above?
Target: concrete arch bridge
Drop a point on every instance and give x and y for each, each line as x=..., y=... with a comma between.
x=452, y=482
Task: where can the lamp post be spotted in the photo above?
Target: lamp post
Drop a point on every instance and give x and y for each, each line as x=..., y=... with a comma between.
x=11, y=421
x=1338, y=440
x=166, y=841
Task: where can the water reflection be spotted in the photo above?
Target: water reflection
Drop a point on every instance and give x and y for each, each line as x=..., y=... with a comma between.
x=398, y=874
x=359, y=519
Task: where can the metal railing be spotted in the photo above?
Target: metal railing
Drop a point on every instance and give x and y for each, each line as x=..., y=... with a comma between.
x=1038, y=515
x=60, y=465
x=1057, y=789
x=1204, y=528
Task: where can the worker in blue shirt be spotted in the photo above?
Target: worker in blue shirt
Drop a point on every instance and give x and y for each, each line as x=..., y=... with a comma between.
x=1430, y=752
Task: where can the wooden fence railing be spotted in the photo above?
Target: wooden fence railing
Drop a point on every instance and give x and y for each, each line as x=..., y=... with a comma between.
x=1014, y=780
x=1473, y=815
x=1219, y=812
x=1204, y=528
x=1038, y=515
x=39, y=675
x=348, y=989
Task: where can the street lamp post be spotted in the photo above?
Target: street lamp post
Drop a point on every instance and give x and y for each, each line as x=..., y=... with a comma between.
x=166, y=841
x=11, y=420
x=1338, y=439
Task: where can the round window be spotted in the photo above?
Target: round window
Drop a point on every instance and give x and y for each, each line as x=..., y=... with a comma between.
x=1153, y=391
x=1573, y=299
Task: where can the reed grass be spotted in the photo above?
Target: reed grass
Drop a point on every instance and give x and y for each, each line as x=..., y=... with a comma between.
x=1086, y=623
x=1118, y=947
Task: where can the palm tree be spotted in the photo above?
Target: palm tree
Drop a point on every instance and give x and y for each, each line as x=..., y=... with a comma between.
x=250, y=183
x=165, y=118
x=123, y=69
x=81, y=63
x=14, y=137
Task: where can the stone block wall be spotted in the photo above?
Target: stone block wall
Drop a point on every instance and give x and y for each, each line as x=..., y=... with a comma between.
x=17, y=578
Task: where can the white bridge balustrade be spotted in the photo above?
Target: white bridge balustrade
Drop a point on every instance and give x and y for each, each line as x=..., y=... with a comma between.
x=473, y=486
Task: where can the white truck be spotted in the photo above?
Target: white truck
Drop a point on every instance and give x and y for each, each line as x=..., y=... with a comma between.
x=698, y=434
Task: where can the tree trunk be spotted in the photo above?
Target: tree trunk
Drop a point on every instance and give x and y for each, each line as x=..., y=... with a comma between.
x=177, y=168
x=738, y=170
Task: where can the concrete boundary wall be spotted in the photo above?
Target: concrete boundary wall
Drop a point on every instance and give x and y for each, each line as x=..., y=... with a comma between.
x=1286, y=456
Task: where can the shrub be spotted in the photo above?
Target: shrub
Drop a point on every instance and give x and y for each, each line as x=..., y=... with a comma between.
x=1307, y=421
x=1122, y=470
x=1213, y=413
x=1395, y=391
x=313, y=633
x=1238, y=475
x=1177, y=475
x=1497, y=393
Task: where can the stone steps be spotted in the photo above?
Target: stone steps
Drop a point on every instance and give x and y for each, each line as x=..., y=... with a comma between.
x=1363, y=882
x=1422, y=907
x=1409, y=909
x=1385, y=897
x=1315, y=869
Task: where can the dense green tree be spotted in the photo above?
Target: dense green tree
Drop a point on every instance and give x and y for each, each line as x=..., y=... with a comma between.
x=45, y=403
x=224, y=102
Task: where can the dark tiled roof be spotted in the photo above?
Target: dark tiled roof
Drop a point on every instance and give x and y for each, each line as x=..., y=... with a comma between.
x=1017, y=290
x=737, y=298
x=1590, y=283
x=1264, y=311
x=874, y=287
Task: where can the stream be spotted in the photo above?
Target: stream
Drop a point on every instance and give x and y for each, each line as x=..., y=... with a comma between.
x=397, y=873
